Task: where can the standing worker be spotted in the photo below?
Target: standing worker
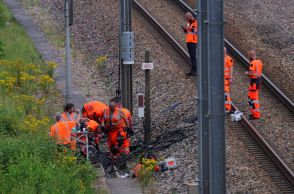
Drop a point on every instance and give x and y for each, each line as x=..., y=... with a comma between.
x=94, y=110
x=61, y=131
x=113, y=120
x=228, y=74
x=254, y=73
x=191, y=39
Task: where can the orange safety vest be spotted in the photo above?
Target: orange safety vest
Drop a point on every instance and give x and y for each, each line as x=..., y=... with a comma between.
x=113, y=121
x=94, y=108
x=191, y=34
x=68, y=117
x=228, y=65
x=92, y=125
x=61, y=131
x=256, y=68
x=127, y=115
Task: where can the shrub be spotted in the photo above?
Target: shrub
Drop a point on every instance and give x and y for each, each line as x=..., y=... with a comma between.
x=7, y=126
x=35, y=166
x=2, y=54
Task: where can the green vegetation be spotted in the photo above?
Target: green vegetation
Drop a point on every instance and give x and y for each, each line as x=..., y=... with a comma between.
x=16, y=44
x=30, y=161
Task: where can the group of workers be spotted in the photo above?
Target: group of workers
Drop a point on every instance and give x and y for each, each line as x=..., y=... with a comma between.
x=254, y=73
x=113, y=120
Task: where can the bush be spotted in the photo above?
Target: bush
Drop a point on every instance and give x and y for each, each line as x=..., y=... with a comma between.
x=2, y=54
x=36, y=166
x=3, y=15
x=7, y=126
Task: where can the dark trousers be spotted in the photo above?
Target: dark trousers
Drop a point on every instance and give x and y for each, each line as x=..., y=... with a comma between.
x=192, y=52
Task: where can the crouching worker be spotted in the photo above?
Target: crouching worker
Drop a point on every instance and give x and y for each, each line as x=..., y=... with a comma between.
x=61, y=131
x=113, y=119
x=94, y=132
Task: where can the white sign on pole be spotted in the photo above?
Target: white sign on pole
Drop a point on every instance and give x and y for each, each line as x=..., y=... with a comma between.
x=141, y=112
x=146, y=66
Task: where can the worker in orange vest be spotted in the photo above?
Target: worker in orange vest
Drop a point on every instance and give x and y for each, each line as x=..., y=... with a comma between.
x=61, y=131
x=94, y=110
x=228, y=74
x=69, y=113
x=254, y=73
x=191, y=39
x=113, y=119
x=128, y=115
x=94, y=132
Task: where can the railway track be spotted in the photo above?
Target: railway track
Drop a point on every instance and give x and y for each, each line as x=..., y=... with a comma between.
x=263, y=151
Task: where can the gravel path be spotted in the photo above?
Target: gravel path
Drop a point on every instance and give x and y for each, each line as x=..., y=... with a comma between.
x=96, y=34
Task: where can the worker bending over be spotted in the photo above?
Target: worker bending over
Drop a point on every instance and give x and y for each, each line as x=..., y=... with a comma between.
x=128, y=116
x=228, y=74
x=254, y=73
x=191, y=39
x=113, y=121
x=61, y=131
x=94, y=110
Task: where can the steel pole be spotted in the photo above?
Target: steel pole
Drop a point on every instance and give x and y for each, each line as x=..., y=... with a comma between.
x=126, y=69
x=68, y=61
x=216, y=96
x=204, y=132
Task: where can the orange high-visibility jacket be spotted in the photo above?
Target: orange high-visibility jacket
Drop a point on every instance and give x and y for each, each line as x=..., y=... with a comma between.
x=92, y=125
x=61, y=131
x=228, y=65
x=191, y=34
x=94, y=108
x=113, y=121
x=255, y=69
x=128, y=117
x=69, y=117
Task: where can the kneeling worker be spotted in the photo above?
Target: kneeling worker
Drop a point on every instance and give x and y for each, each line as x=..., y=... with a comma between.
x=61, y=131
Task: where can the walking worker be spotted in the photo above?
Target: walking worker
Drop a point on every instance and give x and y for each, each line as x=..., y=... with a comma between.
x=228, y=74
x=94, y=110
x=254, y=73
x=191, y=39
x=113, y=119
x=61, y=131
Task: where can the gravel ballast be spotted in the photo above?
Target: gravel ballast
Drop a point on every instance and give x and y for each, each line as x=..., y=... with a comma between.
x=95, y=34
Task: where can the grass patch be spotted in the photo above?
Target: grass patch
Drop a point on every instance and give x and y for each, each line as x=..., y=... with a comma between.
x=16, y=43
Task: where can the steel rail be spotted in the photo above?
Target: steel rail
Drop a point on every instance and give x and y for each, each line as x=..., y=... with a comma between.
x=244, y=61
x=162, y=31
x=267, y=148
x=285, y=170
